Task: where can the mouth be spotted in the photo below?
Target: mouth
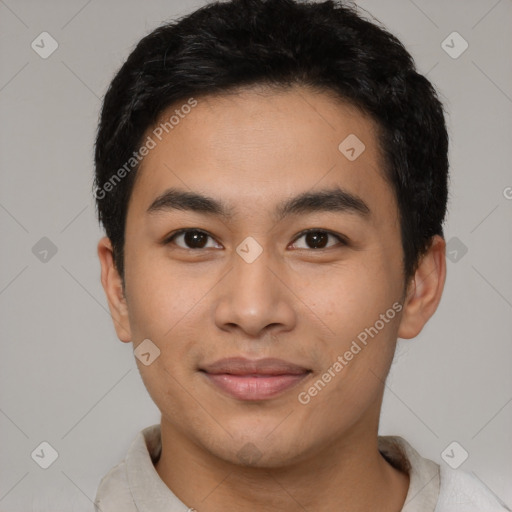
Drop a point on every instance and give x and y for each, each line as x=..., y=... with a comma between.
x=252, y=380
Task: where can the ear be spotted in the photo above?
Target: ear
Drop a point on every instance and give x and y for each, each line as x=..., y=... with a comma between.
x=424, y=290
x=113, y=286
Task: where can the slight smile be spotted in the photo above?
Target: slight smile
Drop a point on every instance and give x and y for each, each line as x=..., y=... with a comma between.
x=252, y=380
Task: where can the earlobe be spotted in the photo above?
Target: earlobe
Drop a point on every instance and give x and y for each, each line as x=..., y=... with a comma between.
x=425, y=290
x=113, y=287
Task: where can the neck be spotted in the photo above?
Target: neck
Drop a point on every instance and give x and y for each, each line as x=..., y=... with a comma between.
x=349, y=474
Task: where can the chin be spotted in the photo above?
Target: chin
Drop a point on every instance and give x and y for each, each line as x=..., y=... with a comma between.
x=258, y=449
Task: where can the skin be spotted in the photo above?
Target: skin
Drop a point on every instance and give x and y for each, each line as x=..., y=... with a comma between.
x=303, y=304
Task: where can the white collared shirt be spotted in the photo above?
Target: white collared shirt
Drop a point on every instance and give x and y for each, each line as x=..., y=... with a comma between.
x=135, y=486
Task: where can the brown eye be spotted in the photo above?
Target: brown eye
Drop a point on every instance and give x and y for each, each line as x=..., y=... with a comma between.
x=318, y=239
x=190, y=239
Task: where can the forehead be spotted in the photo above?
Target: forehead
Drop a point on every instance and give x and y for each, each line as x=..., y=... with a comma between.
x=256, y=146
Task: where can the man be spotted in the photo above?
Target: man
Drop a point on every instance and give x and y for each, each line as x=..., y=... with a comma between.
x=273, y=192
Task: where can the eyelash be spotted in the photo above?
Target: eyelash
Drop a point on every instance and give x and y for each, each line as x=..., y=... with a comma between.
x=341, y=239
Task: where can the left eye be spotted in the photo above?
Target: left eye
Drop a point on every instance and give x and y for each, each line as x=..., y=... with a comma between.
x=318, y=238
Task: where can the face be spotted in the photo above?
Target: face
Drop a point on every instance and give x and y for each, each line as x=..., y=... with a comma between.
x=268, y=267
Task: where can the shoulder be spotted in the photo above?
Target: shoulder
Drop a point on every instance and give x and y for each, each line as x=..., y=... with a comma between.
x=114, y=491
x=438, y=487
x=462, y=492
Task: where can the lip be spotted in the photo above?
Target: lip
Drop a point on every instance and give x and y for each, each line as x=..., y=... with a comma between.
x=247, y=379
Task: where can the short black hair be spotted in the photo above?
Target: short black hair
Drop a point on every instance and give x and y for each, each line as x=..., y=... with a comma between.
x=327, y=46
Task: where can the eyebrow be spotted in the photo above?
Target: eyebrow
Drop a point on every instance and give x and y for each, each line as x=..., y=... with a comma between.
x=333, y=199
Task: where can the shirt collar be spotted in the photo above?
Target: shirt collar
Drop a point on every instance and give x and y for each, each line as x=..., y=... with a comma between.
x=424, y=481
x=149, y=492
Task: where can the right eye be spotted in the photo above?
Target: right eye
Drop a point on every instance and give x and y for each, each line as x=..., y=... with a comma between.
x=193, y=239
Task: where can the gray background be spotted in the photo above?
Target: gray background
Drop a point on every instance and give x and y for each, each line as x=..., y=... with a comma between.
x=67, y=380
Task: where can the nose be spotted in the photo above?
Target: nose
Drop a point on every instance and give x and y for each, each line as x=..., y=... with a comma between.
x=254, y=298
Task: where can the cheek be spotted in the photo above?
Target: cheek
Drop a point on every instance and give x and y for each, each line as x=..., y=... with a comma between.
x=162, y=308
x=166, y=304
x=359, y=306
x=350, y=297
x=159, y=296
